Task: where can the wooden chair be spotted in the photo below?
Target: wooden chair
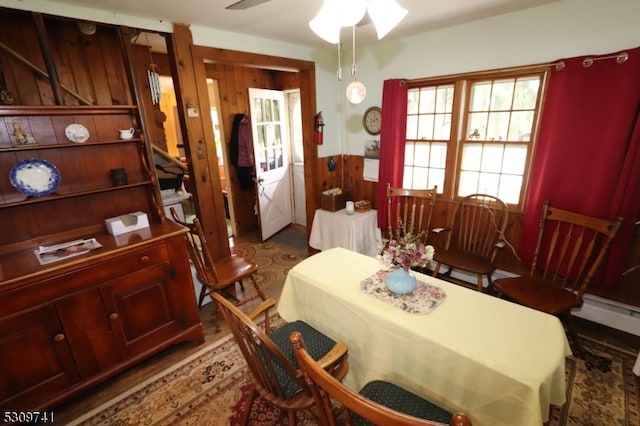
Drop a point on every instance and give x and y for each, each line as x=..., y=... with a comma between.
x=409, y=210
x=217, y=276
x=569, y=251
x=474, y=237
x=378, y=403
x=269, y=356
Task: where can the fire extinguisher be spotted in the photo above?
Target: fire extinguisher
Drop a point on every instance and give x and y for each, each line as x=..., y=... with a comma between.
x=319, y=124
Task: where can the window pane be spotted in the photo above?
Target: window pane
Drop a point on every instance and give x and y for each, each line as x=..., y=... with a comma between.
x=412, y=127
x=427, y=100
x=438, y=158
x=442, y=127
x=468, y=183
x=267, y=110
x=502, y=95
x=409, y=154
x=425, y=127
x=515, y=158
x=419, y=178
x=498, y=126
x=444, y=101
x=407, y=177
x=488, y=183
x=477, y=126
x=526, y=93
x=480, y=96
x=520, y=127
x=510, y=187
x=471, y=156
x=421, y=156
x=492, y=158
x=413, y=97
x=436, y=177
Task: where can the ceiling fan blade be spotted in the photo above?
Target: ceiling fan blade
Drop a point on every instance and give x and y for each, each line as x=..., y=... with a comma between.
x=245, y=4
x=366, y=20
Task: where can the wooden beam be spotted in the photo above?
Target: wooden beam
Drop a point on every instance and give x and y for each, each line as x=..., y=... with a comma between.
x=197, y=132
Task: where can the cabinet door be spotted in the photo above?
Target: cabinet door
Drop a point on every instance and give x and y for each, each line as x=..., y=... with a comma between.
x=88, y=332
x=142, y=309
x=35, y=357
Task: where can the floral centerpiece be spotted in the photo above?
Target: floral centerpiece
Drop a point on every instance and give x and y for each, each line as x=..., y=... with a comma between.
x=404, y=251
x=407, y=251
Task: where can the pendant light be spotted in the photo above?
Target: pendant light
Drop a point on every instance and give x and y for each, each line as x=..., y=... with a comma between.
x=335, y=14
x=356, y=91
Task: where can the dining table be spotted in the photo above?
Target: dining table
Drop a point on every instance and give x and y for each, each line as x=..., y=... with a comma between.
x=496, y=361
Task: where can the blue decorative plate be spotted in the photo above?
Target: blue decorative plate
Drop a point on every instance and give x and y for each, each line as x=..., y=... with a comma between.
x=34, y=177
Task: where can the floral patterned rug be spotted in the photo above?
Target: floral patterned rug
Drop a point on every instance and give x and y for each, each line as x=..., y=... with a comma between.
x=211, y=388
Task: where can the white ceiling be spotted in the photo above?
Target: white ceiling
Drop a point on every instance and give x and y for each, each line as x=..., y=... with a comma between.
x=287, y=20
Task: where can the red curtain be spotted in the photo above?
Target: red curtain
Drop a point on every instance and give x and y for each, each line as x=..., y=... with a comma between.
x=588, y=153
x=393, y=136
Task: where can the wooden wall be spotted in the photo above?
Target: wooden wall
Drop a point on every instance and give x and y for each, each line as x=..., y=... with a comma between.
x=90, y=67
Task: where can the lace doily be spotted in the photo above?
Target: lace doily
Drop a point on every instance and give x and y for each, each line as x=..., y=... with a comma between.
x=424, y=299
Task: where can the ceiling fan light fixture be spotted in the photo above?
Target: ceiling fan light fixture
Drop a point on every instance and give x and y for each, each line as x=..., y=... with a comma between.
x=325, y=27
x=348, y=13
x=385, y=14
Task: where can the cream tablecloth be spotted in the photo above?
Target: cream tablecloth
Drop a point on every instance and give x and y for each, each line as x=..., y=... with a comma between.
x=358, y=232
x=500, y=363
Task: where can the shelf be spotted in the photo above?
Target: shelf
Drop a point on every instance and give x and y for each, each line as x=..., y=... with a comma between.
x=35, y=200
x=8, y=110
x=37, y=147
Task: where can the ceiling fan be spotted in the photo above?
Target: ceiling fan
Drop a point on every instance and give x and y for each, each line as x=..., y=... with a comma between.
x=245, y=4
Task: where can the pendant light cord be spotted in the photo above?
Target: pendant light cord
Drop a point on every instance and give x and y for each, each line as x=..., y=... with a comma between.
x=354, y=67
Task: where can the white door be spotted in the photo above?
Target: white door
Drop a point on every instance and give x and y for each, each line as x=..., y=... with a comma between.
x=271, y=148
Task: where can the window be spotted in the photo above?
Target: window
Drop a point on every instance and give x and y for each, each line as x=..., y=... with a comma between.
x=473, y=135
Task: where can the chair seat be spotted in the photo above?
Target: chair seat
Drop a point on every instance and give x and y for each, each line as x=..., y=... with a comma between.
x=538, y=294
x=466, y=261
x=318, y=346
x=399, y=399
x=232, y=268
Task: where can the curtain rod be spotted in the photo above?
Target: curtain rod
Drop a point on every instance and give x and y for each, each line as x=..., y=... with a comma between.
x=536, y=67
x=587, y=62
x=620, y=58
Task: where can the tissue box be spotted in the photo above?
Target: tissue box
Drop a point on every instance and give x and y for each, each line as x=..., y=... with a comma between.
x=127, y=223
x=331, y=201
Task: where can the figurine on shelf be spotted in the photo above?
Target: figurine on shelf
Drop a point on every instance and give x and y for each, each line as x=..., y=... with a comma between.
x=20, y=137
x=5, y=95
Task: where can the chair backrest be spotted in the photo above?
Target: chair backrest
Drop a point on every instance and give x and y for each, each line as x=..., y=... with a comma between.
x=478, y=226
x=267, y=364
x=199, y=251
x=410, y=210
x=325, y=387
x=571, y=247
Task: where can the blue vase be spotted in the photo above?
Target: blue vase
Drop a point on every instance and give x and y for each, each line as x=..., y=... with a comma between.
x=399, y=281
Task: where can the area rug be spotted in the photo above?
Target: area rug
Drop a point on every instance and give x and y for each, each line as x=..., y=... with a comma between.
x=211, y=388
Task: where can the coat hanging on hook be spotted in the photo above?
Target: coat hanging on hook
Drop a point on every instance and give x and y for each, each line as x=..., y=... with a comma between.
x=241, y=150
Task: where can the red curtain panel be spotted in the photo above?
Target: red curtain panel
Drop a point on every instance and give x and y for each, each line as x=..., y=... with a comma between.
x=587, y=157
x=393, y=135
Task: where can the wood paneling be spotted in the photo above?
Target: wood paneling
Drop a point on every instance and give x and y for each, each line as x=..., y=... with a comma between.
x=90, y=68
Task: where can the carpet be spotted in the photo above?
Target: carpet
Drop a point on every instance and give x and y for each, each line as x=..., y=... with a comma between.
x=210, y=387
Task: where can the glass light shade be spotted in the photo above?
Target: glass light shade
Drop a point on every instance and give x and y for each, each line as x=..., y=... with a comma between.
x=356, y=92
x=325, y=26
x=385, y=15
x=348, y=12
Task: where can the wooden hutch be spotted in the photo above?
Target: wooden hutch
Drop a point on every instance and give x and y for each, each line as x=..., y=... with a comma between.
x=70, y=324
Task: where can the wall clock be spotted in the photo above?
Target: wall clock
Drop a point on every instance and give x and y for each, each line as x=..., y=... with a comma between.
x=372, y=119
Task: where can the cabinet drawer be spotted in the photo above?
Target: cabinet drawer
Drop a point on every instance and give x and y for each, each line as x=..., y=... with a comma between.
x=62, y=285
